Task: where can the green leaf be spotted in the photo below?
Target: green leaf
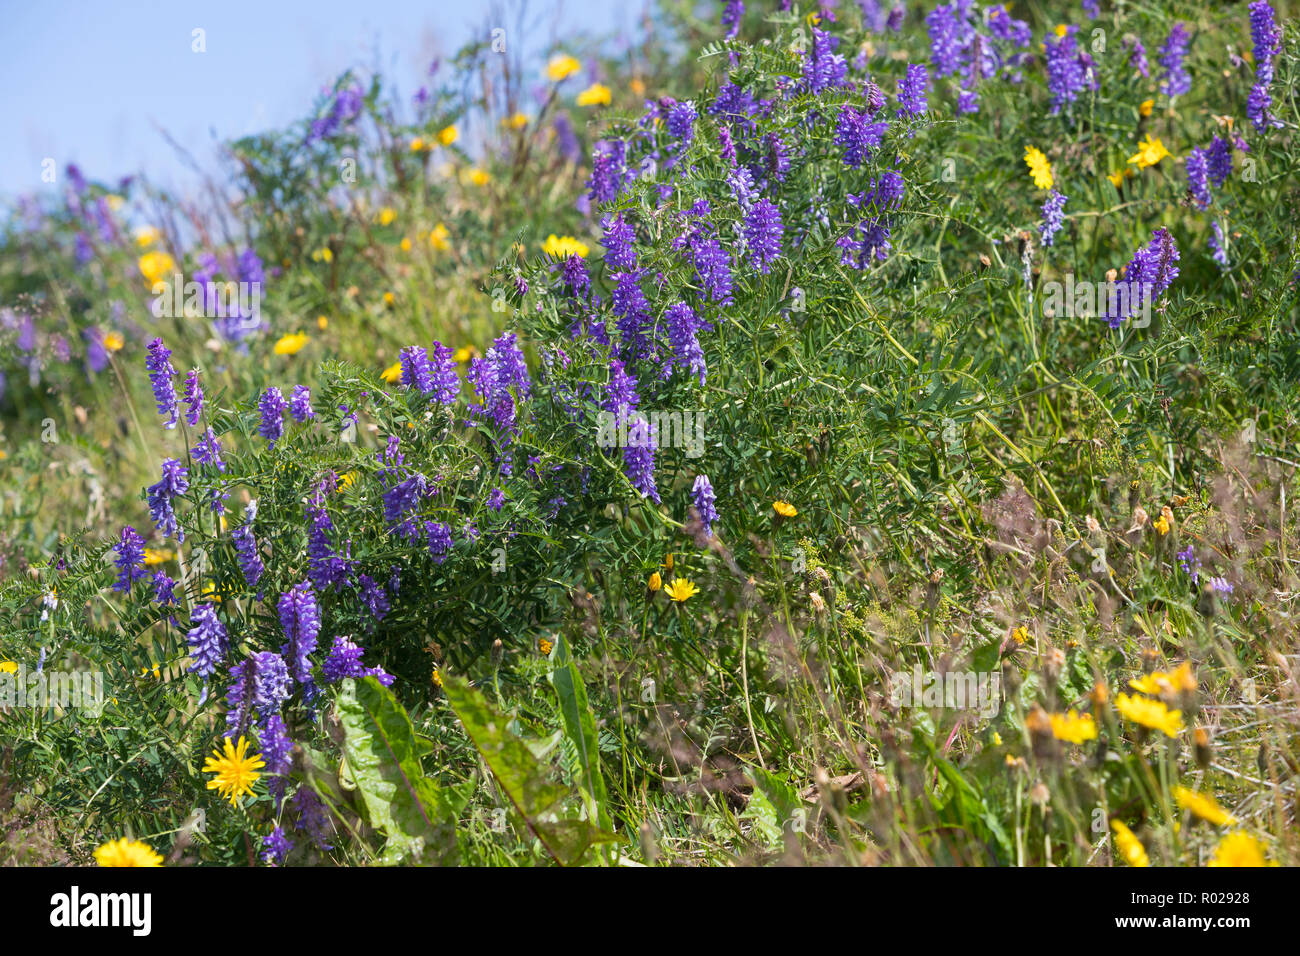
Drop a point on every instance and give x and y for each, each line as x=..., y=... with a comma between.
x=580, y=726
x=383, y=756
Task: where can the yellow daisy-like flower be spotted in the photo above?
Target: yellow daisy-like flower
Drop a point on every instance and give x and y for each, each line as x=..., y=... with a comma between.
x=655, y=582
x=1161, y=525
x=156, y=556
x=126, y=852
x=1239, y=848
x=1118, y=176
x=322, y=322
x=323, y=255
x=1129, y=846
x=156, y=266
x=8, y=667
x=437, y=677
x=236, y=770
x=419, y=145
x=478, y=177
x=563, y=246
x=1150, y=151
x=146, y=236
x=1204, y=806
x=1062, y=29
x=561, y=66
x=517, y=121
x=1073, y=728
x=291, y=344
x=345, y=480
x=464, y=353
x=448, y=135
x=681, y=589
x=405, y=243
x=386, y=216
x=784, y=509
x=438, y=237
x=1020, y=634
x=113, y=341
x=1144, y=108
x=389, y=298
x=1039, y=167
x=1157, y=683
x=393, y=373
x=1150, y=713
x=595, y=95
x=545, y=646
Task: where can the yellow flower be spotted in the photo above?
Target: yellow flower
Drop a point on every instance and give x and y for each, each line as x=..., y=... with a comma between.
x=1150, y=713
x=1150, y=151
x=448, y=135
x=156, y=556
x=236, y=770
x=437, y=677
x=113, y=341
x=997, y=739
x=681, y=589
x=345, y=480
x=389, y=298
x=595, y=95
x=637, y=87
x=1039, y=167
x=1144, y=108
x=1062, y=29
x=784, y=509
x=1118, y=176
x=156, y=266
x=544, y=646
x=668, y=561
x=393, y=373
x=156, y=672
x=1159, y=682
x=322, y=322
x=418, y=145
x=1239, y=848
x=1161, y=525
x=8, y=667
x=146, y=236
x=126, y=852
x=561, y=66
x=562, y=246
x=1129, y=846
x=323, y=255
x=1073, y=728
x=386, y=216
x=405, y=244
x=438, y=237
x=1020, y=634
x=479, y=177
x=655, y=582
x=291, y=344
x=517, y=121
x=1204, y=806
x=464, y=353
x=115, y=202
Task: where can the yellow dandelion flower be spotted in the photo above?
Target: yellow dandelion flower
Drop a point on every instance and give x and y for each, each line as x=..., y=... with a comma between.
x=1159, y=683
x=405, y=243
x=156, y=266
x=464, y=353
x=1062, y=29
x=8, y=667
x=681, y=589
x=1073, y=728
x=346, y=480
x=235, y=769
x=419, y=145
x=1150, y=713
x=126, y=852
x=478, y=177
x=389, y=298
x=146, y=236
x=1020, y=634
x=156, y=556
x=1150, y=151
x=1144, y=108
x=996, y=739
x=322, y=322
x=655, y=582
x=1118, y=176
x=784, y=509
x=1204, y=806
x=438, y=237
x=393, y=373
x=1129, y=846
x=1239, y=848
x=291, y=344
x=562, y=246
x=545, y=646
x=595, y=95
x=1039, y=167
x=561, y=66
x=448, y=135
x=515, y=121
x=323, y=255
x=1161, y=525
x=113, y=341
x=386, y=216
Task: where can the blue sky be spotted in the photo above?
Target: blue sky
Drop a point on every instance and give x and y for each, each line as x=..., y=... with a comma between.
x=94, y=82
